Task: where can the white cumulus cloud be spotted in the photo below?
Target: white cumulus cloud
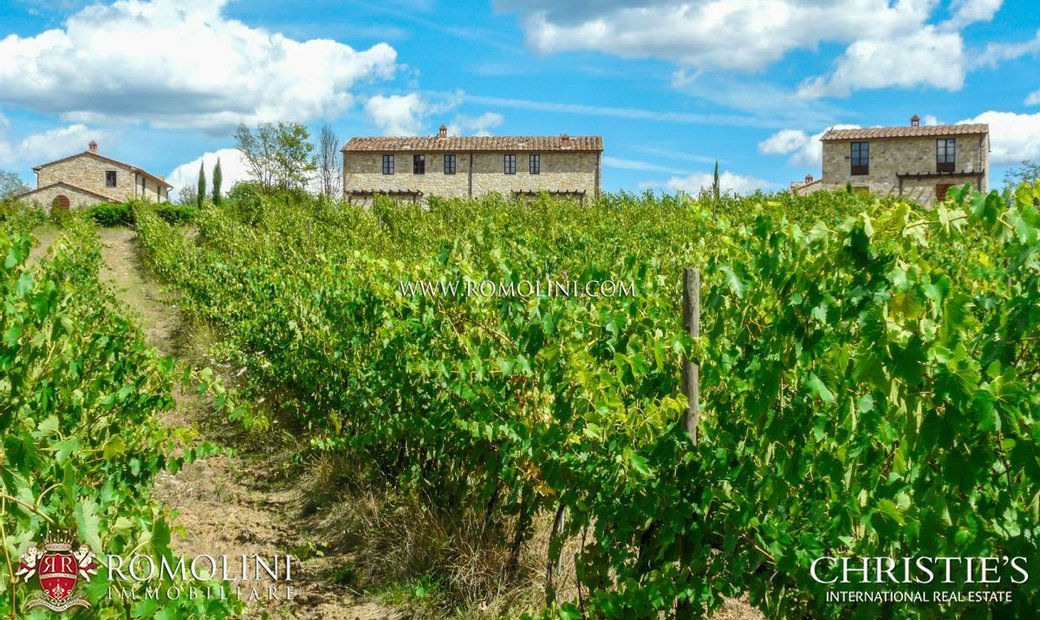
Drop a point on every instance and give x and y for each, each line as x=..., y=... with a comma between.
x=181, y=63
x=903, y=61
x=750, y=35
x=397, y=115
x=1033, y=98
x=232, y=170
x=783, y=142
x=39, y=148
x=1013, y=137
x=701, y=34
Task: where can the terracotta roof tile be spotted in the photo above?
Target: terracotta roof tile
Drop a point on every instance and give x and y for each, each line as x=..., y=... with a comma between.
x=473, y=143
x=908, y=131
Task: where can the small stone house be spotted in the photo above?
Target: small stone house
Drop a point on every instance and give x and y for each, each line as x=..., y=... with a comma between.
x=918, y=161
x=414, y=168
x=88, y=178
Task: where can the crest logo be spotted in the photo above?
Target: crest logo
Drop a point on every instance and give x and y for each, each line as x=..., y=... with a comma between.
x=59, y=569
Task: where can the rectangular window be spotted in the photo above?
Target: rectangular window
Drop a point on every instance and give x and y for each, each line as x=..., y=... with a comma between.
x=860, y=158
x=388, y=164
x=945, y=155
x=418, y=164
x=449, y=164
x=110, y=178
x=509, y=164
x=535, y=163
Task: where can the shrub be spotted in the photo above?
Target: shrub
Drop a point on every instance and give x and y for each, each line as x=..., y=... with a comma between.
x=111, y=214
x=61, y=217
x=177, y=214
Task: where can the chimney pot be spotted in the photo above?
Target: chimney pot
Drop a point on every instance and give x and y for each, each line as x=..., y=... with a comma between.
x=442, y=132
x=565, y=141
x=808, y=179
x=92, y=146
x=915, y=121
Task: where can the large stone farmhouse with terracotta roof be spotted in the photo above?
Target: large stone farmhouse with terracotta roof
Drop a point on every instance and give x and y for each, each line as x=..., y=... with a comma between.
x=88, y=178
x=918, y=161
x=414, y=168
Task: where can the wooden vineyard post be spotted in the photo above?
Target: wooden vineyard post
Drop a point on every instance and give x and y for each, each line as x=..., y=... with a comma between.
x=691, y=371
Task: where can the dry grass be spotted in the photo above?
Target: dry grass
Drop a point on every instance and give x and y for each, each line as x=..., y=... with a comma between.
x=397, y=538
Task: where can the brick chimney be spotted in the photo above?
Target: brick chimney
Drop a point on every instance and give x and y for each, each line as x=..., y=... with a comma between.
x=565, y=141
x=808, y=179
x=915, y=121
x=92, y=146
x=442, y=132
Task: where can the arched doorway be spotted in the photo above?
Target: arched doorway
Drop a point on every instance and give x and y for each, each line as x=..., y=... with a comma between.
x=60, y=203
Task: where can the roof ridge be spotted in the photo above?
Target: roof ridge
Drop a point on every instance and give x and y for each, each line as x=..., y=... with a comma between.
x=905, y=131
x=107, y=158
x=490, y=143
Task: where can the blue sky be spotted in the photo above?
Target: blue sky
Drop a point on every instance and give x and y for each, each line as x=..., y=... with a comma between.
x=671, y=86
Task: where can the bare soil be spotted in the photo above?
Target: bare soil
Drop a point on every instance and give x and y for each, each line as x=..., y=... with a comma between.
x=230, y=504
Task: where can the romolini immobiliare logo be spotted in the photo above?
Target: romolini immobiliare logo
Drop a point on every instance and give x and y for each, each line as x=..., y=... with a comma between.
x=62, y=565
x=59, y=570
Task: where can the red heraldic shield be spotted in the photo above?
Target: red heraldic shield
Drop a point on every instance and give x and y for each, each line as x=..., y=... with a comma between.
x=58, y=575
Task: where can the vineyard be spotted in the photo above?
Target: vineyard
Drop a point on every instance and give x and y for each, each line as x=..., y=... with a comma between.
x=867, y=389
x=867, y=379
x=80, y=395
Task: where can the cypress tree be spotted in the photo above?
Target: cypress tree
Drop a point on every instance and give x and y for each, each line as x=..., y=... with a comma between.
x=201, y=195
x=218, y=176
x=715, y=190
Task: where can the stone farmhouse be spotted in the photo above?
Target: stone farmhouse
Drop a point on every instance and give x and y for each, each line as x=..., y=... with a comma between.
x=920, y=162
x=414, y=168
x=88, y=178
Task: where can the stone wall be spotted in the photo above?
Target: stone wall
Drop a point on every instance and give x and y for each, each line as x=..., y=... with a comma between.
x=44, y=198
x=560, y=171
x=151, y=190
x=88, y=172
x=892, y=156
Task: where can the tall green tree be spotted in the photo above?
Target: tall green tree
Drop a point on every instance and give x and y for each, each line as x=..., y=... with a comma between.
x=278, y=155
x=218, y=177
x=201, y=194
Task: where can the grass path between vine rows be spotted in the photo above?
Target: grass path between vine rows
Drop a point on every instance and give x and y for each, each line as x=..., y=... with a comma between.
x=234, y=504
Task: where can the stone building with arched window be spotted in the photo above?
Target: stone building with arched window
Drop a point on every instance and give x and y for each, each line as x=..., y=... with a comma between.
x=88, y=178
